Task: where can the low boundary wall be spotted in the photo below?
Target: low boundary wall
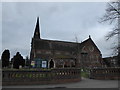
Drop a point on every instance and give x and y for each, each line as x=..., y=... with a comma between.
x=34, y=77
x=105, y=73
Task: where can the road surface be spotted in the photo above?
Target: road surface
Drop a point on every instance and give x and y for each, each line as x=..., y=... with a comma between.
x=84, y=83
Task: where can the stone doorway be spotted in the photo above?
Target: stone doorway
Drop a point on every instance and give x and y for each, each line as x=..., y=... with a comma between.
x=51, y=64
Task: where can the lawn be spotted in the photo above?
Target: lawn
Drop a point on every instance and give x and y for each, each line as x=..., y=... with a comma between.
x=84, y=74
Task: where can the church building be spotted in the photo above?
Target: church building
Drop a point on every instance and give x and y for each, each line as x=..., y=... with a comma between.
x=61, y=54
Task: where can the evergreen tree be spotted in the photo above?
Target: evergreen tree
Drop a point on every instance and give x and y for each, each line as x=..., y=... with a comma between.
x=27, y=62
x=5, y=58
x=18, y=60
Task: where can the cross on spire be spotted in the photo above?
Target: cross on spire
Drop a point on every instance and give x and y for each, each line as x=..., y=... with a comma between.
x=89, y=36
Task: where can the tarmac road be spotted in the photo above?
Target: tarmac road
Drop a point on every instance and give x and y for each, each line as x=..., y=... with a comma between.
x=84, y=83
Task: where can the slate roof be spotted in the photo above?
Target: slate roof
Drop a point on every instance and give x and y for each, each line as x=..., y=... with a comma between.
x=88, y=41
x=54, y=45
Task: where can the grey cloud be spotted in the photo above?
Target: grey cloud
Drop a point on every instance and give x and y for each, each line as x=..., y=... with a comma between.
x=60, y=21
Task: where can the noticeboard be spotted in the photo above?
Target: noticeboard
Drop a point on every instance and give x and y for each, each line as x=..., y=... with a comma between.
x=33, y=63
x=44, y=64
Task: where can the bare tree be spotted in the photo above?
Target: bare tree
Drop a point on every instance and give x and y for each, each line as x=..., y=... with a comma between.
x=112, y=16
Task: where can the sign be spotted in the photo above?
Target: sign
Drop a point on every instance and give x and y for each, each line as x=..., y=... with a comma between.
x=33, y=63
x=44, y=64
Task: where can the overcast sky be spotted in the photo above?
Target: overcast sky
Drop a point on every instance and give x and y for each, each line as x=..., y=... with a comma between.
x=58, y=21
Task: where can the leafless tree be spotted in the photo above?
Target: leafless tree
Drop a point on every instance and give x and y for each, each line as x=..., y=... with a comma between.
x=112, y=16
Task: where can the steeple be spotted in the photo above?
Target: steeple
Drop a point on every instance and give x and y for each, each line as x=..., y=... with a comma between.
x=37, y=30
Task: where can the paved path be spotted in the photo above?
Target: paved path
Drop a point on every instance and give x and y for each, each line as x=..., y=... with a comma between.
x=84, y=83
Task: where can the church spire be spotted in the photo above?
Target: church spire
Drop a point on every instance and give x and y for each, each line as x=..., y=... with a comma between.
x=37, y=30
